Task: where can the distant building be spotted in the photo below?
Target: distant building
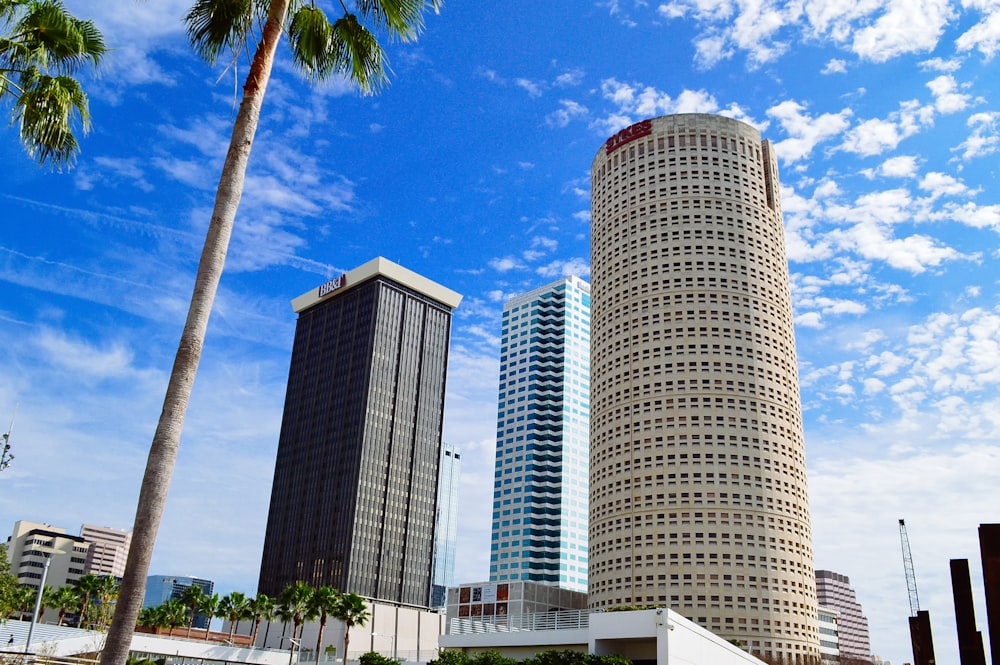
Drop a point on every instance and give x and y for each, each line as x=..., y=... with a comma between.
x=161, y=588
x=353, y=501
x=834, y=591
x=829, y=640
x=32, y=543
x=540, y=486
x=108, y=549
x=446, y=539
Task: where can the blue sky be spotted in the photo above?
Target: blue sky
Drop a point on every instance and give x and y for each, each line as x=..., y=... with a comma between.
x=472, y=169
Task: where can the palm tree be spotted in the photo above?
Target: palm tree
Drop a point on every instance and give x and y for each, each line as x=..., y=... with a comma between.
x=86, y=587
x=324, y=602
x=192, y=597
x=23, y=599
x=65, y=600
x=261, y=609
x=209, y=607
x=295, y=602
x=48, y=600
x=41, y=46
x=234, y=607
x=352, y=611
x=322, y=49
x=170, y=614
x=107, y=593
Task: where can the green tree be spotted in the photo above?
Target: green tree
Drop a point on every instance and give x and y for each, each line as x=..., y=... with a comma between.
x=66, y=601
x=351, y=610
x=41, y=46
x=450, y=658
x=373, y=658
x=492, y=658
x=107, y=594
x=209, y=607
x=147, y=618
x=261, y=609
x=322, y=49
x=8, y=582
x=171, y=614
x=192, y=597
x=87, y=587
x=234, y=607
x=23, y=601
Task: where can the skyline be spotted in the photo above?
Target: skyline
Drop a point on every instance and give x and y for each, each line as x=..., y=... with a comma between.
x=471, y=169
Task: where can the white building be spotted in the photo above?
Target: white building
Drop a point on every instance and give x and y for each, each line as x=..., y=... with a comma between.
x=108, y=549
x=540, y=490
x=32, y=544
x=659, y=635
x=698, y=475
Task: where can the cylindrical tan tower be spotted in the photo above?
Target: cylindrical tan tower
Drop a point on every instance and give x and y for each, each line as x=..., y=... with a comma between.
x=698, y=494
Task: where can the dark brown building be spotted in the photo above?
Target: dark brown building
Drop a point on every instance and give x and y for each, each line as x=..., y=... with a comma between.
x=355, y=481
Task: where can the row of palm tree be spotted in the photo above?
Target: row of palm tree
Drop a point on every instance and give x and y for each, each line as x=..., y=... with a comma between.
x=297, y=604
x=90, y=597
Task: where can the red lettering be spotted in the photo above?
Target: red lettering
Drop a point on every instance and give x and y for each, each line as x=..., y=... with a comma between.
x=629, y=134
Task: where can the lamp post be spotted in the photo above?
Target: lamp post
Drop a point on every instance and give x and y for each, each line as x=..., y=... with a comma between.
x=392, y=645
x=38, y=605
x=291, y=649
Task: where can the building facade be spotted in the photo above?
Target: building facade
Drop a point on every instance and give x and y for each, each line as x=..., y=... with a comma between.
x=834, y=591
x=446, y=539
x=161, y=588
x=698, y=478
x=829, y=635
x=32, y=544
x=354, y=496
x=540, y=502
x=108, y=549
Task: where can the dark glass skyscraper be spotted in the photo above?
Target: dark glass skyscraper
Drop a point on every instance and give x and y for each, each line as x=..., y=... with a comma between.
x=355, y=481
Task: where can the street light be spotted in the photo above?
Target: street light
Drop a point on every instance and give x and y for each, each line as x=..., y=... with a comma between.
x=291, y=649
x=38, y=604
x=392, y=647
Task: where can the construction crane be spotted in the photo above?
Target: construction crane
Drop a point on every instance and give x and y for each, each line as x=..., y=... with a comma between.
x=911, y=578
x=920, y=621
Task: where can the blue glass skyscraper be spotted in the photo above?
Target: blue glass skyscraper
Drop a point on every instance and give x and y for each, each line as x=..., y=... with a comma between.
x=540, y=490
x=446, y=528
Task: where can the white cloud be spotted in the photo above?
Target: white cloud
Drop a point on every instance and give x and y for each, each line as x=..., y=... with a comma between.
x=947, y=99
x=984, y=139
x=906, y=26
x=901, y=166
x=533, y=88
x=805, y=132
x=985, y=35
x=568, y=110
x=942, y=184
x=505, y=264
x=566, y=267
x=571, y=78
x=835, y=66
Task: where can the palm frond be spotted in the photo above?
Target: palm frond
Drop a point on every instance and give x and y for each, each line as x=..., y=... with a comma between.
x=309, y=34
x=356, y=53
x=401, y=19
x=216, y=27
x=45, y=112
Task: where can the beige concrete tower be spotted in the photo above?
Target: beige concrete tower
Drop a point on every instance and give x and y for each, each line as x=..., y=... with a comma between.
x=698, y=494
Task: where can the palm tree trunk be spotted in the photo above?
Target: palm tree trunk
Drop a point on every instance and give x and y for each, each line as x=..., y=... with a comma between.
x=163, y=450
x=319, y=639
